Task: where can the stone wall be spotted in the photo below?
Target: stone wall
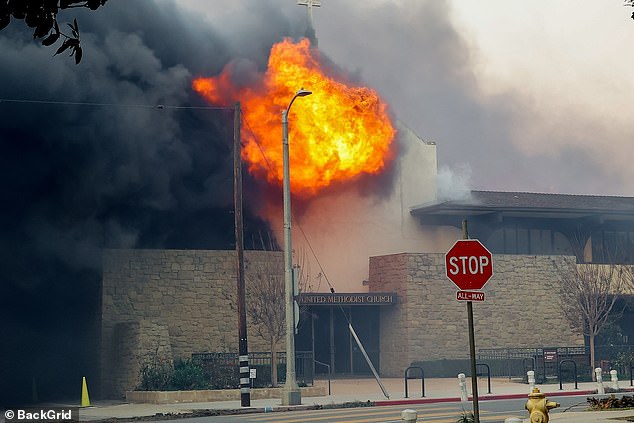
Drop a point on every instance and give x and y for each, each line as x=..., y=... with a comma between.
x=174, y=302
x=133, y=345
x=390, y=275
x=521, y=308
x=171, y=302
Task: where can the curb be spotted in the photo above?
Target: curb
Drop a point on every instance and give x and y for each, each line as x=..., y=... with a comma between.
x=306, y=407
x=380, y=403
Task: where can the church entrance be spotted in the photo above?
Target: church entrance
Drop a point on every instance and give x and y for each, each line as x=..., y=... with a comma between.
x=324, y=330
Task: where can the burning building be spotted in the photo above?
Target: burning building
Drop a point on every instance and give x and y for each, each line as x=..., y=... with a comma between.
x=370, y=233
x=349, y=168
x=91, y=163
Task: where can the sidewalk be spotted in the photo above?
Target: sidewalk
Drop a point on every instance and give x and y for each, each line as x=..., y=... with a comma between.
x=351, y=390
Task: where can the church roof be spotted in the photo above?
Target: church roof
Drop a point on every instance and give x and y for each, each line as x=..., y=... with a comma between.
x=530, y=204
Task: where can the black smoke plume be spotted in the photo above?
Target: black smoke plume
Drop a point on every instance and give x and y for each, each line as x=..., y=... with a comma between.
x=117, y=152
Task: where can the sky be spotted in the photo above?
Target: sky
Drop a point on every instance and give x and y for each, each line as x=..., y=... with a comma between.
x=526, y=96
x=529, y=97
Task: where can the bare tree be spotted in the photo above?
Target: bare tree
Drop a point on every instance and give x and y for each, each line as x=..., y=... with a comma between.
x=265, y=300
x=265, y=305
x=589, y=294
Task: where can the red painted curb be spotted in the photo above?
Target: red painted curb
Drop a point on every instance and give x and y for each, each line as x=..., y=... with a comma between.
x=487, y=397
x=414, y=401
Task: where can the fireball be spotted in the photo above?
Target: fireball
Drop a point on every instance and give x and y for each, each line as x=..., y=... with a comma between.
x=338, y=134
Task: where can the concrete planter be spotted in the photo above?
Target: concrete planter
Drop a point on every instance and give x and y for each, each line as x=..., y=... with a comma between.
x=175, y=397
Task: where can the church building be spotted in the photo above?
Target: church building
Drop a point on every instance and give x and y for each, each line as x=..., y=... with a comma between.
x=376, y=264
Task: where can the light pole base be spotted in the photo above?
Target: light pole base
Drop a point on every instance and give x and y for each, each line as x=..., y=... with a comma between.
x=291, y=396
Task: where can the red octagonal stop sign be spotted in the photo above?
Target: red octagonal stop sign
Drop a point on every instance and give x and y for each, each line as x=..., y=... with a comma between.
x=469, y=264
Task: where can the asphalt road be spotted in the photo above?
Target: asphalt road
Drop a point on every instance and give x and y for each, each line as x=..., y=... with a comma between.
x=490, y=411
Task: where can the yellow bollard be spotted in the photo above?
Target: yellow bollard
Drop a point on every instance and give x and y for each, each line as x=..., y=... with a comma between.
x=85, y=400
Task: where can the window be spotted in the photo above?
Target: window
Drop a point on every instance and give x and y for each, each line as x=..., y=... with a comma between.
x=613, y=247
x=519, y=240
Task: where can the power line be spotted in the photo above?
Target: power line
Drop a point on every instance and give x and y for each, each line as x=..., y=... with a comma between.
x=255, y=138
x=94, y=104
x=172, y=107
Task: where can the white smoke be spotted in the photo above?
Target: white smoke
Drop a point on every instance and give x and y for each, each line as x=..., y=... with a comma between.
x=454, y=183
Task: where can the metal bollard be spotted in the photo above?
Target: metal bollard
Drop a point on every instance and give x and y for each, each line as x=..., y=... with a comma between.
x=531, y=380
x=409, y=415
x=462, y=382
x=615, y=380
x=599, y=375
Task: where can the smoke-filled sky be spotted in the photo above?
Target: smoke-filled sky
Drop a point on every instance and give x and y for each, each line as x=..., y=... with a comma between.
x=93, y=164
x=529, y=97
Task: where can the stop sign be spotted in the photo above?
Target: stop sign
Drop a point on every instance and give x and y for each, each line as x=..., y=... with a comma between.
x=469, y=264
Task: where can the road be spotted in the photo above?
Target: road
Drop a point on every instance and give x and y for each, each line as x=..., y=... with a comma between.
x=490, y=412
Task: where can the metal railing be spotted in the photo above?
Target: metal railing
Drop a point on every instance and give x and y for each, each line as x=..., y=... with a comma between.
x=616, y=357
x=225, y=366
x=544, y=361
x=532, y=367
x=515, y=362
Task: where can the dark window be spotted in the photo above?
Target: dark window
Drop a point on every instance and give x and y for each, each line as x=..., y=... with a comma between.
x=518, y=240
x=510, y=241
x=613, y=247
x=523, y=243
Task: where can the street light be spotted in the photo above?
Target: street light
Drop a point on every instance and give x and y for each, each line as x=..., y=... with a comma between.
x=291, y=394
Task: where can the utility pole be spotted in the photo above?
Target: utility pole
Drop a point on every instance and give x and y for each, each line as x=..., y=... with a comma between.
x=245, y=392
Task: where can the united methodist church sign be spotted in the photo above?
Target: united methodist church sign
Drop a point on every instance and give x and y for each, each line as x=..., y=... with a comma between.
x=365, y=298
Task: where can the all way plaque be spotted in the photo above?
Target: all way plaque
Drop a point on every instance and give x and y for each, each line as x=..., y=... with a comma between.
x=470, y=296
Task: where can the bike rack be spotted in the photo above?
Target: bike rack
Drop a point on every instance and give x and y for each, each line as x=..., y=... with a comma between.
x=532, y=367
x=561, y=387
x=422, y=379
x=526, y=368
x=488, y=374
x=328, y=366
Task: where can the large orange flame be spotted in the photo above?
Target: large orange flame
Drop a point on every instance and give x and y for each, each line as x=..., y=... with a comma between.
x=337, y=134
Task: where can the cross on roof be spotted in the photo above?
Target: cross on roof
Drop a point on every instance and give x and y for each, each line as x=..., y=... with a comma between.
x=309, y=6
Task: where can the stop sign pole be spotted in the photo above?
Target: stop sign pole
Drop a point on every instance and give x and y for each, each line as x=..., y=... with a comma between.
x=474, y=377
x=469, y=265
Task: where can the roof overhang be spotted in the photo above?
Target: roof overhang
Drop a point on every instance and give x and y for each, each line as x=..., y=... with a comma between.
x=500, y=206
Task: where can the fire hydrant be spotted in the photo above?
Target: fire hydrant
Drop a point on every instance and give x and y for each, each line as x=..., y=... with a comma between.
x=538, y=406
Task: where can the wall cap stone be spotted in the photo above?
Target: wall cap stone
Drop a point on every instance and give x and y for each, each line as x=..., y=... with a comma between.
x=210, y=395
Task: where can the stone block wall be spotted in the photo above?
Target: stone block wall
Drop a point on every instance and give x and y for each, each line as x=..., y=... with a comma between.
x=521, y=308
x=172, y=300
x=135, y=344
x=390, y=274
x=175, y=301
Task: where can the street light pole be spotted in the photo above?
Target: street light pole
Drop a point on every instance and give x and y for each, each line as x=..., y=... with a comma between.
x=291, y=394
